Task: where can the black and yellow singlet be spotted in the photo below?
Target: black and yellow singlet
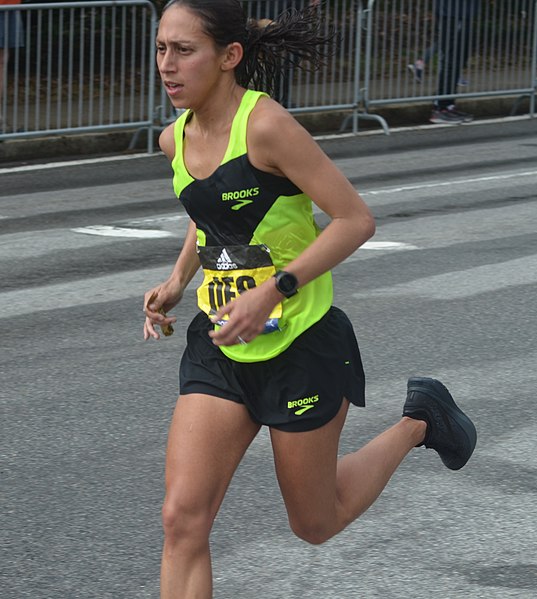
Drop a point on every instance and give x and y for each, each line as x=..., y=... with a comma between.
x=249, y=224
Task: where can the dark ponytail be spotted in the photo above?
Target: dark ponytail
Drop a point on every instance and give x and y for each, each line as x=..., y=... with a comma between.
x=296, y=37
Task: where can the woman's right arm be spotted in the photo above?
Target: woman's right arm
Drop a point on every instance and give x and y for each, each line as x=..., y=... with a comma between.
x=188, y=262
x=169, y=294
x=166, y=142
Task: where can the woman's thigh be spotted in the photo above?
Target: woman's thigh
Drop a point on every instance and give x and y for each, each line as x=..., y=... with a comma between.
x=306, y=467
x=207, y=439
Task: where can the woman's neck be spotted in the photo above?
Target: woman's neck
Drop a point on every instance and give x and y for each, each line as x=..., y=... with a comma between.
x=216, y=115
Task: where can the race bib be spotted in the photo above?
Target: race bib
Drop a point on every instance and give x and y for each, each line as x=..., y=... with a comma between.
x=231, y=270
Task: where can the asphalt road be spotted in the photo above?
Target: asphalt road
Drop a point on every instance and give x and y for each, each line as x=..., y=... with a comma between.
x=447, y=289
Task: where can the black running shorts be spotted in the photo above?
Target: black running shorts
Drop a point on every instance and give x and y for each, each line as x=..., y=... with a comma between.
x=299, y=390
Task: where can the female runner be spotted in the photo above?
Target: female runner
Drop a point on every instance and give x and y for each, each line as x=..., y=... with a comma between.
x=267, y=348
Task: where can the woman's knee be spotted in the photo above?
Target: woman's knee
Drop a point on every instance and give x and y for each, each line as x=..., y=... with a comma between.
x=314, y=532
x=185, y=520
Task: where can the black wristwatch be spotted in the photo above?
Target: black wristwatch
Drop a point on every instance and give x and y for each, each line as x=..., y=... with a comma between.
x=286, y=283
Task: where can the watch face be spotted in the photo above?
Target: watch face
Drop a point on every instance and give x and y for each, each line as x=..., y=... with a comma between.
x=286, y=283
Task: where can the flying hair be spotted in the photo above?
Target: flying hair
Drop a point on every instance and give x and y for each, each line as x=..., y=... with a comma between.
x=296, y=37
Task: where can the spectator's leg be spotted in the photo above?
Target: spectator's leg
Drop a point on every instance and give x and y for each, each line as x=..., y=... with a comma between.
x=449, y=47
x=282, y=93
x=429, y=53
x=3, y=71
x=466, y=43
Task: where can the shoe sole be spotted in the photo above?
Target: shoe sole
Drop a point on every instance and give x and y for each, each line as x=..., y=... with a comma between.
x=443, y=122
x=434, y=388
x=467, y=119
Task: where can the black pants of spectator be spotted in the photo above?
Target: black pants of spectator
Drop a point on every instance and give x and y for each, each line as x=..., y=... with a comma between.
x=282, y=88
x=454, y=51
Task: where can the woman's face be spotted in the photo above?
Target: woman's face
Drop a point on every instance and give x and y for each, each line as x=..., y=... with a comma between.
x=188, y=60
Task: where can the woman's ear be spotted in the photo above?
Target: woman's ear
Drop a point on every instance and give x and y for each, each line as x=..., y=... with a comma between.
x=232, y=56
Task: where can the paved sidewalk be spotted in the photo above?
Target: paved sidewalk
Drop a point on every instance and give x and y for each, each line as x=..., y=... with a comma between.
x=321, y=123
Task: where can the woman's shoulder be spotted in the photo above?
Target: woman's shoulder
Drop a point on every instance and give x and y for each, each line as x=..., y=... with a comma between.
x=274, y=135
x=269, y=120
x=166, y=141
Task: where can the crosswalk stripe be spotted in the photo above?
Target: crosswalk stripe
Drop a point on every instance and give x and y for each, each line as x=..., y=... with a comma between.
x=464, y=283
x=111, y=231
x=95, y=290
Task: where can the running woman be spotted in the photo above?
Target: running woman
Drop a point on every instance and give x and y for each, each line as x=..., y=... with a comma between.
x=267, y=348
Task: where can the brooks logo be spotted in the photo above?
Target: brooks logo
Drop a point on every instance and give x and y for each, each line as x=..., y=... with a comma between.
x=241, y=197
x=303, y=405
x=224, y=262
x=241, y=194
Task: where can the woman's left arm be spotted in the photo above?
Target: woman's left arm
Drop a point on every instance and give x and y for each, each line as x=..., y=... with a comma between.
x=281, y=145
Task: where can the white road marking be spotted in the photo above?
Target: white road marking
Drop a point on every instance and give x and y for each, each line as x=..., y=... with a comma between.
x=450, y=183
x=93, y=290
x=464, y=283
x=109, y=231
x=387, y=245
x=51, y=165
x=158, y=219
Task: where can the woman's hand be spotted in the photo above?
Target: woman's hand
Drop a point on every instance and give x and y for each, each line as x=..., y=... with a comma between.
x=247, y=315
x=157, y=302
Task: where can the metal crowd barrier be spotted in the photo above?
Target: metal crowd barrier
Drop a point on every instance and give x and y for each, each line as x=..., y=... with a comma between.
x=90, y=66
x=79, y=67
x=497, y=57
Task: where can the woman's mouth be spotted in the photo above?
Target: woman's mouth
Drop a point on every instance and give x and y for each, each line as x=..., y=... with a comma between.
x=172, y=88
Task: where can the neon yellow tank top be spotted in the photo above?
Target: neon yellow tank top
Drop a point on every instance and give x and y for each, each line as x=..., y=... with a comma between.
x=249, y=225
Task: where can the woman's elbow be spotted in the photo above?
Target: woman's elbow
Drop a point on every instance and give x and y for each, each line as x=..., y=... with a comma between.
x=368, y=226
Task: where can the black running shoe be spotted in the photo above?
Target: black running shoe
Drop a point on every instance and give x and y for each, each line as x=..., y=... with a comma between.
x=449, y=431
